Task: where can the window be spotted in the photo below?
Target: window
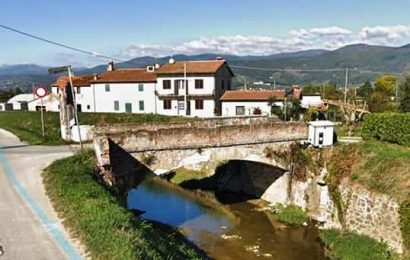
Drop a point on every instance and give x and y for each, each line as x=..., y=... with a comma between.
x=167, y=104
x=199, y=104
x=140, y=87
x=116, y=105
x=166, y=84
x=78, y=90
x=141, y=104
x=88, y=107
x=199, y=83
x=177, y=83
x=107, y=87
x=223, y=84
x=240, y=110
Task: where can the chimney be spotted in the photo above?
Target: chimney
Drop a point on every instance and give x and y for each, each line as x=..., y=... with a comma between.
x=110, y=66
x=95, y=76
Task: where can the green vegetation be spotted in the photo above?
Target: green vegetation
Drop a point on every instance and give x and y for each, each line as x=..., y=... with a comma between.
x=405, y=96
x=99, y=219
x=183, y=174
x=390, y=127
x=27, y=125
x=290, y=214
x=405, y=223
x=351, y=246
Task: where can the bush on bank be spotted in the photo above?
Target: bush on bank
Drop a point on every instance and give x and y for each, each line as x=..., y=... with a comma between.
x=290, y=214
x=390, y=127
x=100, y=221
x=351, y=246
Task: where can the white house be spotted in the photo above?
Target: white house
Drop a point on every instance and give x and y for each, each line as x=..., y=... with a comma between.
x=250, y=102
x=321, y=133
x=121, y=91
x=311, y=100
x=49, y=103
x=2, y=107
x=20, y=101
x=206, y=82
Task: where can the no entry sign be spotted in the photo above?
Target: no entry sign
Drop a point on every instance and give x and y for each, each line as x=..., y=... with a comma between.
x=40, y=91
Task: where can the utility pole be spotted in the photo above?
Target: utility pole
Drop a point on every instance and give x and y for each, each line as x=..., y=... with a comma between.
x=274, y=83
x=346, y=82
x=185, y=91
x=75, y=105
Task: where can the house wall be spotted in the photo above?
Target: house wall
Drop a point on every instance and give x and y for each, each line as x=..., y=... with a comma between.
x=121, y=92
x=229, y=107
x=308, y=101
x=50, y=102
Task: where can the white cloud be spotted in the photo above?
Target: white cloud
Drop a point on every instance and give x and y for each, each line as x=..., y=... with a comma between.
x=385, y=34
x=330, y=38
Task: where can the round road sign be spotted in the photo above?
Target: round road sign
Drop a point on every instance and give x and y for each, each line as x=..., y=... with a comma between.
x=40, y=91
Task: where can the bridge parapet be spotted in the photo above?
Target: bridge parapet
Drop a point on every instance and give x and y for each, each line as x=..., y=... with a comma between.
x=183, y=136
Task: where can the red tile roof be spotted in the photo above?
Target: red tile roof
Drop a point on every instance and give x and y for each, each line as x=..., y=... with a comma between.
x=192, y=67
x=252, y=95
x=78, y=81
x=125, y=76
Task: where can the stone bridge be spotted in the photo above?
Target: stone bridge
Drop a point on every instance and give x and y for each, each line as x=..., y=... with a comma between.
x=164, y=147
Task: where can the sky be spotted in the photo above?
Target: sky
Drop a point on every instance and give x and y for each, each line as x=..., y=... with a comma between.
x=126, y=29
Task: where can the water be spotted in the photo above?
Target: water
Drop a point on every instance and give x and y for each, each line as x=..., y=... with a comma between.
x=235, y=231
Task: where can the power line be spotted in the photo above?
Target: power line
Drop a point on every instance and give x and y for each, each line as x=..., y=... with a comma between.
x=96, y=55
x=59, y=44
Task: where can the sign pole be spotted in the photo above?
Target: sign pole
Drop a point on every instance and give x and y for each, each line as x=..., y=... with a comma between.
x=42, y=116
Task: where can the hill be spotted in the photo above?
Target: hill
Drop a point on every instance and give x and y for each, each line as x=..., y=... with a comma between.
x=361, y=56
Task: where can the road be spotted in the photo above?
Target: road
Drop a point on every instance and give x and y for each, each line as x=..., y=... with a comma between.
x=29, y=226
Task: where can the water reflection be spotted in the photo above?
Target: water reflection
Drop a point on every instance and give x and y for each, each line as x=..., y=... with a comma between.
x=234, y=231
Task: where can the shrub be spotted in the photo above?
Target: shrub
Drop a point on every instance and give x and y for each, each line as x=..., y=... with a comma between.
x=291, y=214
x=405, y=222
x=351, y=246
x=390, y=127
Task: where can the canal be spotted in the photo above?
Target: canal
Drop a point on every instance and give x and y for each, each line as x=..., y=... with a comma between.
x=241, y=230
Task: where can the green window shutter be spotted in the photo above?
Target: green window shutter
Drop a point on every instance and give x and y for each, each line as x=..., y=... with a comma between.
x=107, y=87
x=141, y=103
x=140, y=87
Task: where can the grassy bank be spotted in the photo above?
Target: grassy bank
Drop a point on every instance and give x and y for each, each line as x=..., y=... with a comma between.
x=182, y=174
x=100, y=221
x=351, y=246
x=290, y=214
x=378, y=166
x=27, y=125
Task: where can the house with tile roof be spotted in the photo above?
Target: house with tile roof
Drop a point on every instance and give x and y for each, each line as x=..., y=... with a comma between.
x=154, y=89
x=192, y=88
x=250, y=102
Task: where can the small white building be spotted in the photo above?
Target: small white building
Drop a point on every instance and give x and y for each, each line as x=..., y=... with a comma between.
x=250, y=102
x=20, y=101
x=49, y=103
x=206, y=82
x=321, y=133
x=311, y=100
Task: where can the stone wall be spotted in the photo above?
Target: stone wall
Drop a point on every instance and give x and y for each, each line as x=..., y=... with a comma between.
x=372, y=214
x=155, y=138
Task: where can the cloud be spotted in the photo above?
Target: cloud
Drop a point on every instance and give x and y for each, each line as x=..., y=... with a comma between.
x=301, y=39
x=320, y=32
x=385, y=34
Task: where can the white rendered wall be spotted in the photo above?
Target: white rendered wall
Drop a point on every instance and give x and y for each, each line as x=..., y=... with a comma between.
x=229, y=108
x=123, y=93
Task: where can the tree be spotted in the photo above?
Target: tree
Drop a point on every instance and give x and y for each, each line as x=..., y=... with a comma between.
x=331, y=92
x=386, y=84
x=352, y=113
x=275, y=109
x=378, y=102
x=310, y=89
x=405, y=96
x=295, y=109
x=365, y=90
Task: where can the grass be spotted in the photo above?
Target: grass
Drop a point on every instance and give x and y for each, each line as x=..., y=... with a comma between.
x=351, y=246
x=183, y=174
x=383, y=167
x=290, y=214
x=27, y=125
x=99, y=219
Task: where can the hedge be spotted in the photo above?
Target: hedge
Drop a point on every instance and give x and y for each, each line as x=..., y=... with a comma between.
x=390, y=127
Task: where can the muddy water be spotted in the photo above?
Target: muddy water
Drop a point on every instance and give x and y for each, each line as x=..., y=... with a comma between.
x=225, y=231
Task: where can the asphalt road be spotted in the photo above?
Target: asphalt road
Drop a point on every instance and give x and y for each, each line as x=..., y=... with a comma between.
x=29, y=226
